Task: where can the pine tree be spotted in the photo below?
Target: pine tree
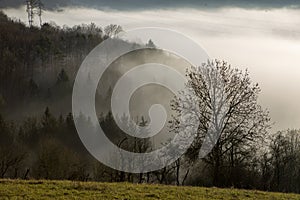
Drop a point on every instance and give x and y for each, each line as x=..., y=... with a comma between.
x=150, y=44
x=33, y=87
x=62, y=77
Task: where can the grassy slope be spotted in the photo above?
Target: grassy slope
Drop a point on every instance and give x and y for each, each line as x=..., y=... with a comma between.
x=17, y=189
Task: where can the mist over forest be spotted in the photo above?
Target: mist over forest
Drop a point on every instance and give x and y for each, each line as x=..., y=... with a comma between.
x=39, y=140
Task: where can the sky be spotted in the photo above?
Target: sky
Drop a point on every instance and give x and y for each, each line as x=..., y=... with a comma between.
x=262, y=36
x=158, y=4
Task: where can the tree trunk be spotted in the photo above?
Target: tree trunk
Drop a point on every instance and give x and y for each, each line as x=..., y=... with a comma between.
x=217, y=164
x=177, y=171
x=141, y=178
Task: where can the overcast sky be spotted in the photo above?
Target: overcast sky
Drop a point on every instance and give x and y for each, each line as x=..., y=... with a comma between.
x=158, y=4
x=263, y=36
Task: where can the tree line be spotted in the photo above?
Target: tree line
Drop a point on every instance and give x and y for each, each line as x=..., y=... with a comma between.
x=48, y=147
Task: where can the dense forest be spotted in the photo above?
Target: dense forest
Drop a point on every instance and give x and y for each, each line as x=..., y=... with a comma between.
x=39, y=139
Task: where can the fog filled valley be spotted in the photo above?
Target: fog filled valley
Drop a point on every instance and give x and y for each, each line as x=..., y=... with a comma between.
x=39, y=140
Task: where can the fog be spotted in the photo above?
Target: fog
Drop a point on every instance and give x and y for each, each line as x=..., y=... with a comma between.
x=267, y=42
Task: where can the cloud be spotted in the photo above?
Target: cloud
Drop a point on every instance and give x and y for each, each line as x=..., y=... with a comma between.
x=230, y=22
x=159, y=4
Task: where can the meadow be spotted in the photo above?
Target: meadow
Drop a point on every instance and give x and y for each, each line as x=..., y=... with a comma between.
x=40, y=189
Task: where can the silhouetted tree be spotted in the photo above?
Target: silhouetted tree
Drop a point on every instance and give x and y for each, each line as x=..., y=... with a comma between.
x=150, y=44
x=227, y=107
x=112, y=30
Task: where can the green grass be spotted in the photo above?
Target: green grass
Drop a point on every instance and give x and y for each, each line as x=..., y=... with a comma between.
x=18, y=189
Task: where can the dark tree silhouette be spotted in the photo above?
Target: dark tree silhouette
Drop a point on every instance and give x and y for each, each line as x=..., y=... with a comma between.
x=228, y=108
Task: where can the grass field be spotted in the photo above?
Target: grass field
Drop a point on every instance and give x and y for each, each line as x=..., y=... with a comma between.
x=17, y=189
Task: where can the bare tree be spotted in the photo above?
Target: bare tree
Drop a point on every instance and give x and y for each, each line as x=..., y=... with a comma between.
x=112, y=30
x=179, y=165
x=231, y=121
x=285, y=160
x=10, y=158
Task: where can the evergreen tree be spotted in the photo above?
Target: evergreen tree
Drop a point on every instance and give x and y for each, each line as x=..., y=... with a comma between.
x=62, y=77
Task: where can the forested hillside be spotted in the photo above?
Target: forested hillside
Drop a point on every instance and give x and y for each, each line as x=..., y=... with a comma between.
x=38, y=65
